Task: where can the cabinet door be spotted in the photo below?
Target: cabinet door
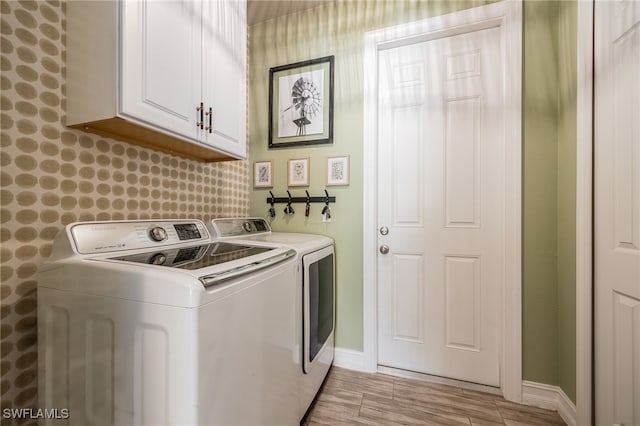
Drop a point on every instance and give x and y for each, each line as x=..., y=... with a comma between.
x=224, y=76
x=160, y=70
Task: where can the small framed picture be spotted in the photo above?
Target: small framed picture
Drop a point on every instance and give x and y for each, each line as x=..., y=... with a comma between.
x=298, y=172
x=338, y=170
x=262, y=174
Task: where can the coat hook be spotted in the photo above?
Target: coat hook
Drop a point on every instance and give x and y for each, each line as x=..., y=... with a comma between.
x=272, y=210
x=289, y=208
x=307, y=208
x=326, y=210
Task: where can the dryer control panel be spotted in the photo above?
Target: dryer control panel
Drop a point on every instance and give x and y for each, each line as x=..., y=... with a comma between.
x=233, y=228
x=107, y=237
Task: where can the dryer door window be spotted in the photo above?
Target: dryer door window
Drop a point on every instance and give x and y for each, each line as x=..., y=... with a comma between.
x=319, y=311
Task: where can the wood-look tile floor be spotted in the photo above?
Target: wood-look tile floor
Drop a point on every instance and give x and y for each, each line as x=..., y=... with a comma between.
x=354, y=398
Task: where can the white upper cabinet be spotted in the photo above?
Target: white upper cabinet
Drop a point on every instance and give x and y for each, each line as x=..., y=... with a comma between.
x=224, y=74
x=170, y=75
x=161, y=64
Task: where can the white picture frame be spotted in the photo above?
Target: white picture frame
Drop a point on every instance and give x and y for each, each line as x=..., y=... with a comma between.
x=263, y=174
x=298, y=172
x=338, y=170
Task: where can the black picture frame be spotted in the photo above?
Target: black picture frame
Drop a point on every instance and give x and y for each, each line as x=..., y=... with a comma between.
x=301, y=103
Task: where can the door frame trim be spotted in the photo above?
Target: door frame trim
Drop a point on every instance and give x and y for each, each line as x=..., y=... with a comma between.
x=584, y=214
x=506, y=15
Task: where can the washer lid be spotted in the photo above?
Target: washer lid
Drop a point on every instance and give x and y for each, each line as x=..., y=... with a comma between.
x=195, y=257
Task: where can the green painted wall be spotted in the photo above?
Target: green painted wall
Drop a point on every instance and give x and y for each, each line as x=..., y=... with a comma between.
x=539, y=214
x=334, y=29
x=549, y=193
x=338, y=29
x=567, y=141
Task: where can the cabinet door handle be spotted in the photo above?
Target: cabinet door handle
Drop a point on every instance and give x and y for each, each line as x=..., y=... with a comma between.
x=201, y=110
x=210, y=126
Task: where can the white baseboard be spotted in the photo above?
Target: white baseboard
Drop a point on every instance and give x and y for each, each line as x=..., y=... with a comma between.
x=349, y=359
x=551, y=398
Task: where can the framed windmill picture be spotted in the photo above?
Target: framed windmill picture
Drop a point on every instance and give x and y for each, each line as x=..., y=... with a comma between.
x=301, y=103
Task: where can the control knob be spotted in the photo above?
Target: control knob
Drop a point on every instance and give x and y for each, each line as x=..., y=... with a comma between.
x=158, y=233
x=158, y=259
x=247, y=226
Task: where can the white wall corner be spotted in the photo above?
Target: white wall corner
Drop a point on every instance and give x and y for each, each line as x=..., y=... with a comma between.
x=584, y=217
x=551, y=398
x=349, y=359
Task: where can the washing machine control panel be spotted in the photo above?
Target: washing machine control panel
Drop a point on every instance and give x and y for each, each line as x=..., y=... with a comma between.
x=106, y=237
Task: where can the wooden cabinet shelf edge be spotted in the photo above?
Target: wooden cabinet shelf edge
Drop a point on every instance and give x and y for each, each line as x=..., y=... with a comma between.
x=94, y=87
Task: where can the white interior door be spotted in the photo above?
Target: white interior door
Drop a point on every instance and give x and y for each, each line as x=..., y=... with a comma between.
x=441, y=196
x=617, y=212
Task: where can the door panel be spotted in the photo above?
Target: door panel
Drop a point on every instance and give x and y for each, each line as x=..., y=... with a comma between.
x=462, y=162
x=617, y=212
x=161, y=64
x=407, y=162
x=441, y=185
x=224, y=77
x=626, y=349
x=408, y=298
x=462, y=305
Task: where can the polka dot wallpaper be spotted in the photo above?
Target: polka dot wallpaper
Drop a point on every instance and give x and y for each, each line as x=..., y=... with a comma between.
x=52, y=175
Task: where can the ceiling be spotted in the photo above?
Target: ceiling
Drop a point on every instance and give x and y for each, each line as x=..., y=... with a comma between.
x=263, y=10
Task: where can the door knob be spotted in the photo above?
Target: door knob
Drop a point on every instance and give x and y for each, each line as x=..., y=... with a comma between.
x=384, y=249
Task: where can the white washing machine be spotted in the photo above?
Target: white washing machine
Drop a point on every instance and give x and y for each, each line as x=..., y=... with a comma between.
x=316, y=294
x=153, y=323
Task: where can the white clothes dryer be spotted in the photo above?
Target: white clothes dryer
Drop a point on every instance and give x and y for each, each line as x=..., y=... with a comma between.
x=316, y=294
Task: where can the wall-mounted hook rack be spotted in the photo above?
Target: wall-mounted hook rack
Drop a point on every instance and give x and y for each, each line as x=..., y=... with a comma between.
x=306, y=199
